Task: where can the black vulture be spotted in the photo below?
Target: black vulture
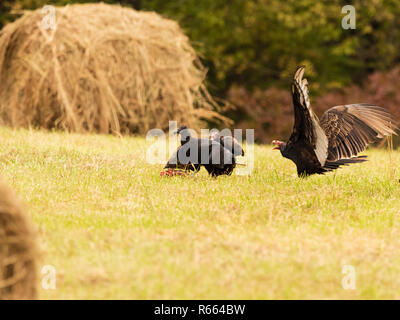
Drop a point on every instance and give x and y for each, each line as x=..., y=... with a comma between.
x=229, y=143
x=209, y=153
x=344, y=131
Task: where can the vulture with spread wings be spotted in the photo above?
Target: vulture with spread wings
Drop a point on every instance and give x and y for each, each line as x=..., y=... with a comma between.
x=318, y=146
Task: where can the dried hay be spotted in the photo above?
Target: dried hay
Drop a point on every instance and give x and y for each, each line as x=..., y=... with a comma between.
x=18, y=254
x=104, y=69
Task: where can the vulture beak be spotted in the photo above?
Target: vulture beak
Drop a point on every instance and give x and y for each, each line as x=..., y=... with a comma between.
x=277, y=144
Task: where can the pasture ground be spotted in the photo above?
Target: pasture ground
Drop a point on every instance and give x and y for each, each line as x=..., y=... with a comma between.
x=114, y=229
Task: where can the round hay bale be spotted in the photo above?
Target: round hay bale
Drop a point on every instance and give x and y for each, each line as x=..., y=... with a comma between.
x=18, y=254
x=104, y=68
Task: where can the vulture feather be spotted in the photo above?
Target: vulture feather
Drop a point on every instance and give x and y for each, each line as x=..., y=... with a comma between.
x=209, y=153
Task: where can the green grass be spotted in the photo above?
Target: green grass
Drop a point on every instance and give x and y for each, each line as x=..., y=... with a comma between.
x=114, y=229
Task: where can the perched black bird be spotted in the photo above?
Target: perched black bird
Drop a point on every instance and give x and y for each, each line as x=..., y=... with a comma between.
x=181, y=157
x=344, y=131
x=194, y=153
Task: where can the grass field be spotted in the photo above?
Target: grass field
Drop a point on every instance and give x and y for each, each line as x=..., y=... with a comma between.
x=114, y=229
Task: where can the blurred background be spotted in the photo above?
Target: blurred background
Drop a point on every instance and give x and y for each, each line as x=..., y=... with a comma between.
x=252, y=48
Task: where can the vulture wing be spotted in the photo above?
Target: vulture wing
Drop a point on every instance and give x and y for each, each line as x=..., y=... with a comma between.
x=177, y=160
x=220, y=156
x=186, y=157
x=306, y=123
x=350, y=128
x=232, y=145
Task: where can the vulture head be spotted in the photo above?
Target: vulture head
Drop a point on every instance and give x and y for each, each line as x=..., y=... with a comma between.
x=279, y=145
x=180, y=129
x=214, y=134
x=228, y=141
x=184, y=132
